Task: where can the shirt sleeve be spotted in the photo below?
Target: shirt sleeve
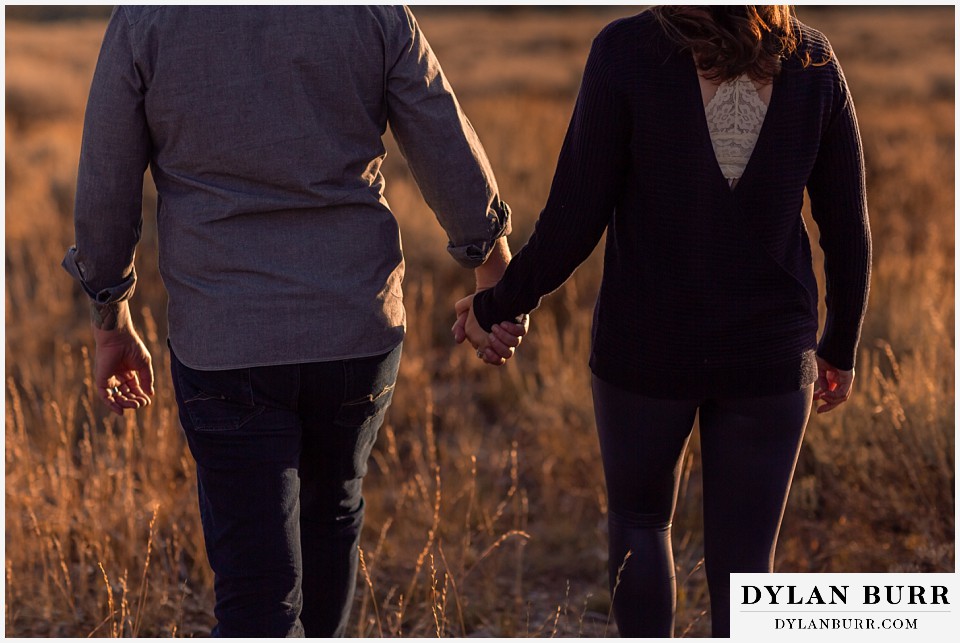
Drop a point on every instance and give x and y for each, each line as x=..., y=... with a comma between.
x=441, y=147
x=114, y=155
x=838, y=203
x=586, y=185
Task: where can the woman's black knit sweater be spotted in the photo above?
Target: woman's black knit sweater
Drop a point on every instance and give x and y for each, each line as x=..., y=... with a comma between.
x=706, y=291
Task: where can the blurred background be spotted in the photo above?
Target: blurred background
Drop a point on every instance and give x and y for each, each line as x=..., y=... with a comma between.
x=485, y=497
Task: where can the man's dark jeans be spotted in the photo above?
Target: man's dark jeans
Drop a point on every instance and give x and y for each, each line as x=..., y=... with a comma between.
x=281, y=452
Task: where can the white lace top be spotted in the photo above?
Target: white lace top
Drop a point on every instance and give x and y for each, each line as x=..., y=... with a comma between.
x=734, y=116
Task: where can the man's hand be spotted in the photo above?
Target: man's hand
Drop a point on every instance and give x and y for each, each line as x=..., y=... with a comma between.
x=833, y=386
x=495, y=347
x=123, y=370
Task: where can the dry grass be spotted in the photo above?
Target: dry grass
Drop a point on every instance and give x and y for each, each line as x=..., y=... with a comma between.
x=485, y=497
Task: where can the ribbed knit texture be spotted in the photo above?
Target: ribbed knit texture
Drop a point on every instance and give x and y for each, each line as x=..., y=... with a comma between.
x=705, y=291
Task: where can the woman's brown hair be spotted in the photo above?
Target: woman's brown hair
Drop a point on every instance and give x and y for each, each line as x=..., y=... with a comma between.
x=728, y=41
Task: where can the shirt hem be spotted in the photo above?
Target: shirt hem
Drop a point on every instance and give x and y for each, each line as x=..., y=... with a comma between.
x=305, y=360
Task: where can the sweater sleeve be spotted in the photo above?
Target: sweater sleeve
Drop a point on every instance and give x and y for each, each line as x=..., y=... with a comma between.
x=582, y=198
x=838, y=203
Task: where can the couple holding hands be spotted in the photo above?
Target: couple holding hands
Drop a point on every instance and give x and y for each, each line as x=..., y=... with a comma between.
x=695, y=134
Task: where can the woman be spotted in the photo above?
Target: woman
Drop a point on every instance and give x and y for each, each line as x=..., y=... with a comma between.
x=695, y=133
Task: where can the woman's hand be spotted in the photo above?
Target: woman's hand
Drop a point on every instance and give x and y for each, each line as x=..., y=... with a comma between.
x=833, y=386
x=495, y=347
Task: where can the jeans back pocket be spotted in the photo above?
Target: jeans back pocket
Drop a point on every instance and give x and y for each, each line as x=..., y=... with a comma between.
x=214, y=400
x=368, y=384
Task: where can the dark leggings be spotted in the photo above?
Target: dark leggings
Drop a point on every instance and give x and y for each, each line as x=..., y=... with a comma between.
x=749, y=448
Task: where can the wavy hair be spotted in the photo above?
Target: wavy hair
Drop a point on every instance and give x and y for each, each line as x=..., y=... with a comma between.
x=729, y=41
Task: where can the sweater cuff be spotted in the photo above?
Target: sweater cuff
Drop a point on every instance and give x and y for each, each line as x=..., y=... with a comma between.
x=485, y=310
x=838, y=352
x=488, y=313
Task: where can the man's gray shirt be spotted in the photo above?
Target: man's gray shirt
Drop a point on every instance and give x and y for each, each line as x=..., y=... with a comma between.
x=262, y=128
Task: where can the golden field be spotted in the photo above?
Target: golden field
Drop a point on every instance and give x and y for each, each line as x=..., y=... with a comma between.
x=485, y=497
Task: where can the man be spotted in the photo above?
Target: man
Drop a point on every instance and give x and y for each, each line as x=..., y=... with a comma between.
x=262, y=127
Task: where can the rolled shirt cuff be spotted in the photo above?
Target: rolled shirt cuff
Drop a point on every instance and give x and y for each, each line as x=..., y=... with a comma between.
x=475, y=253
x=120, y=292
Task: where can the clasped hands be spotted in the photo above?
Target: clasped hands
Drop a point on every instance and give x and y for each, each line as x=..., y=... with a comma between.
x=495, y=347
